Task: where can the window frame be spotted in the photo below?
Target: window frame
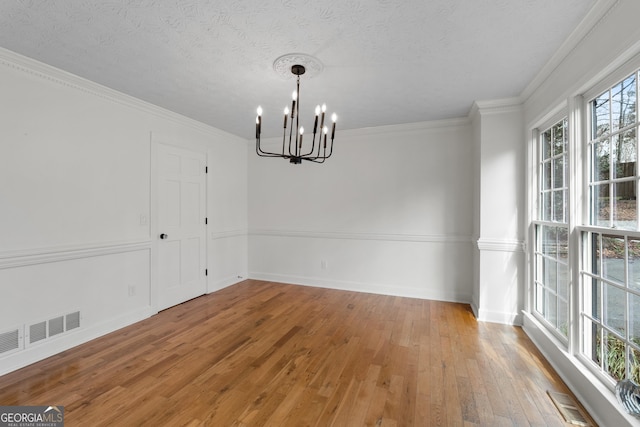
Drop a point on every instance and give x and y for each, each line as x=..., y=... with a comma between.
x=584, y=228
x=576, y=107
x=538, y=220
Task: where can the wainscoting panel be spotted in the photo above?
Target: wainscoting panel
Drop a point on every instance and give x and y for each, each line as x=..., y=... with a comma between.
x=59, y=299
x=227, y=259
x=420, y=266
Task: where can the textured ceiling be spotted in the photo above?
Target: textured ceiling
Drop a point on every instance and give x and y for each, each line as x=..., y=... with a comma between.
x=385, y=61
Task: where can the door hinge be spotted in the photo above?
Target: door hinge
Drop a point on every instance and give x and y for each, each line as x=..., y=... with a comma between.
x=206, y=221
x=206, y=272
x=206, y=169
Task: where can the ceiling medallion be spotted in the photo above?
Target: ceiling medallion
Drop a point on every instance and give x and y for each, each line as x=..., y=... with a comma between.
x=312, y=65
x=294, y=151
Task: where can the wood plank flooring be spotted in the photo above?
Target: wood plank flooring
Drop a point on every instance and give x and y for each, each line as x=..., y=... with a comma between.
x=261, y=353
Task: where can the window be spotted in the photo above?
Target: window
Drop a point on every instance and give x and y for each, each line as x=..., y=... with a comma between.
x=551, y=271
x=613, y=150
x=610, y=243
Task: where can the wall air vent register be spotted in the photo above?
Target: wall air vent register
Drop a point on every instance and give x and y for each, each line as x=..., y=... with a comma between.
x=15, y=339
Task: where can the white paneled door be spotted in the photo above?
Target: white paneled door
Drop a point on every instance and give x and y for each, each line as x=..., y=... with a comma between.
x=181, y=230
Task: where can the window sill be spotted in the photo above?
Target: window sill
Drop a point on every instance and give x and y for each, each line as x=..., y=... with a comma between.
x=592, y=393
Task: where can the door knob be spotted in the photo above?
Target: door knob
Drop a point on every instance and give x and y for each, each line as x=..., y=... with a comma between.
x=163, y=236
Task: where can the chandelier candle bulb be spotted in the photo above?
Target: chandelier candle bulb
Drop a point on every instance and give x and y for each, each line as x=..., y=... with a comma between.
x=315, y=123
x=334, y=117
x=301, y=134
x=259, y=121
x=293, y=103
x=286, y=113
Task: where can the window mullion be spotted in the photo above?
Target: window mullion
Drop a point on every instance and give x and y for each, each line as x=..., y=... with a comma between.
x=577, y=194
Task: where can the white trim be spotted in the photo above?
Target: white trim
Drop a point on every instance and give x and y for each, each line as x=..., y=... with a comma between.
x=225, y=282
x=408, y=127
x=600, y=10
x=425, y=238
x=608, y=231
x=612, y=78
x=501, y=245
x=21, y=258
x=594, y=395
x=475, y=310
x=75, y=337
x=428, y=126
x=372, y=288
x=494, y=106
x=47, y=72
x=217, y=235
x=502, y=317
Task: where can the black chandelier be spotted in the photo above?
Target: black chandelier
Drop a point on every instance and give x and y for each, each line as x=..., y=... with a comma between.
x=319, y=152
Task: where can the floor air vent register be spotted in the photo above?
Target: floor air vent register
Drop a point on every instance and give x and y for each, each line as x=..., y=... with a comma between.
x=569, y=409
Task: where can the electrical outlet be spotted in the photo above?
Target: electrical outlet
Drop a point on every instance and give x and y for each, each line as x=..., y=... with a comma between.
x=132, y=290
x=323, y=264
x=143, y=219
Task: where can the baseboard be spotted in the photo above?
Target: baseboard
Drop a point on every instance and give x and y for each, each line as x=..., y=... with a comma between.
x=505, y=318
x=226, y=282
x=35, y=353
x=372, y=288
x=474, y=309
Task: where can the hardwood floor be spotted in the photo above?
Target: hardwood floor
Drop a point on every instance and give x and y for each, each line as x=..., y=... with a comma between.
x=262, y=353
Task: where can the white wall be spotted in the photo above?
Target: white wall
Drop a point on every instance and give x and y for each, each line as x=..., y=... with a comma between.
x=390, y=212
x=75, y=194
x=227, y=212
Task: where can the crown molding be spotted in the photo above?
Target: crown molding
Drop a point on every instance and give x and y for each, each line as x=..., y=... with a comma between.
x=408, y=127
x=494, y=106
x=600, y=10
x=55, y=75
x=427, y=126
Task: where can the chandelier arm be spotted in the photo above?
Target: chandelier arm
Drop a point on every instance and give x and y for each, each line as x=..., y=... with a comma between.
x=267, y=154
x=291, y=137
x=313, y=145
x=317, y=157
x=314, y=159
x=263, y=153
x=330, y=149
x=320, y=143
x=324, y=156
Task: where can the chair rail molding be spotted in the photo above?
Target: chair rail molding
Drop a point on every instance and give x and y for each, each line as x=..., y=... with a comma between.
x=425, y=238
x=25, y=257
x=501, y=245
